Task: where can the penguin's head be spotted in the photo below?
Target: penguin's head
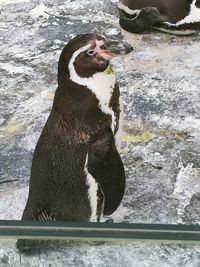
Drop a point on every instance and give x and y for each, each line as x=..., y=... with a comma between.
x=85, y=55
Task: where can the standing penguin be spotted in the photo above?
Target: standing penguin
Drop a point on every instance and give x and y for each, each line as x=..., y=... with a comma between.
x=181, y=17
x=77, y=173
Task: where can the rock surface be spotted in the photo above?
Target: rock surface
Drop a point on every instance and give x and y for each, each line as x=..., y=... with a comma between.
x=160, y=86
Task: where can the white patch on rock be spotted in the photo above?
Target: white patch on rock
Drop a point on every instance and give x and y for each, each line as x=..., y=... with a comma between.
x=186, y=185
x=84, y=21
x=101, y=84
x=10, y=68
x=13, y=203
x=112, y=32
x=69, y=23
x=187, y=124
x=6, y=2
x=39, y=11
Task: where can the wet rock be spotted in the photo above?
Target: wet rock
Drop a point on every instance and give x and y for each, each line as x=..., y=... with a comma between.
x=192, y=211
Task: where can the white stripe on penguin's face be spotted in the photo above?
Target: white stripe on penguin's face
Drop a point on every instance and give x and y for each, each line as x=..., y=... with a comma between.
x=101, y=84
x=73, y=75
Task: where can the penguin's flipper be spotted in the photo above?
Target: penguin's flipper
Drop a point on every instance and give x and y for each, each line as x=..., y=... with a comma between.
x=144, y=19
x=105, y=164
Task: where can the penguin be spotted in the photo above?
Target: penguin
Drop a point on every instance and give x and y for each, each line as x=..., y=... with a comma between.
x=181, y=17
x=77, y=173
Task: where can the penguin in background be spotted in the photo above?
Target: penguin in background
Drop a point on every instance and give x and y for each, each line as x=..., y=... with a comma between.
x=77, y=173
x=181, y=17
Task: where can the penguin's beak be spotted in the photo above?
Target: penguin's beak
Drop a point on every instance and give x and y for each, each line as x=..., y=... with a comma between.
x=106, y=54
x=119, y=47
x=110, y=48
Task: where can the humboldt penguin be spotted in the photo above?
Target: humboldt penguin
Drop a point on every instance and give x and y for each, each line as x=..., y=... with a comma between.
x=77, y=173
x=181, y=17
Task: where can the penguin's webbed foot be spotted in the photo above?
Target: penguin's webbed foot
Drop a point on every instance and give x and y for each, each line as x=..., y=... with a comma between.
x=146, y=18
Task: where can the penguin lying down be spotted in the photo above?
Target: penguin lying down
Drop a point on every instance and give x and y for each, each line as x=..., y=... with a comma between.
x=77, y=173
x=181, y=17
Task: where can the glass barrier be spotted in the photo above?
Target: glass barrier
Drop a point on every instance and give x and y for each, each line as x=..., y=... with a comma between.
x=100, y=231
x=97, y=244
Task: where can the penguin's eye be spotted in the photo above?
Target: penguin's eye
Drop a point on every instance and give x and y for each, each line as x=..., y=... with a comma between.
x=91, y=52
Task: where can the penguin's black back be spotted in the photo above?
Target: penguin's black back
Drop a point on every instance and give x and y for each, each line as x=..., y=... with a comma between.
x=175, y=10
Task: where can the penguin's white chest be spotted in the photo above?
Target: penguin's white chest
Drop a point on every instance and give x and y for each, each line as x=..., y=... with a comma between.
x=100, y=84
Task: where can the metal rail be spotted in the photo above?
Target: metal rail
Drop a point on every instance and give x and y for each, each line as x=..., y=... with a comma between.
x=99, y=231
